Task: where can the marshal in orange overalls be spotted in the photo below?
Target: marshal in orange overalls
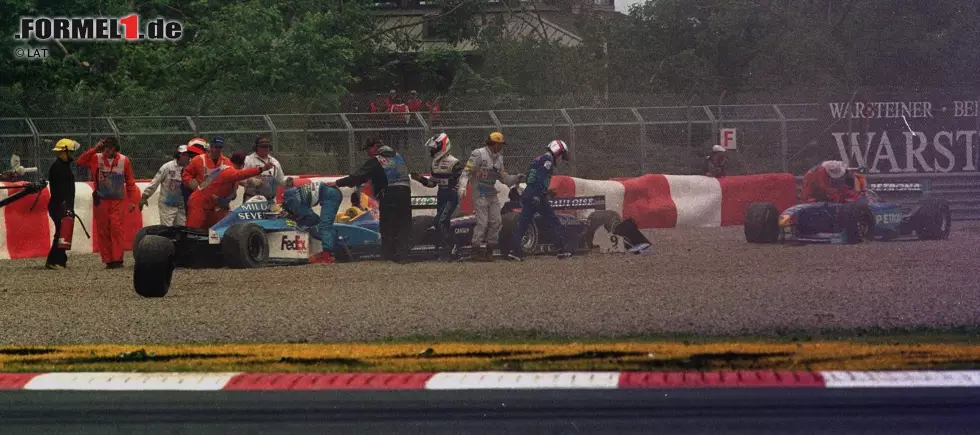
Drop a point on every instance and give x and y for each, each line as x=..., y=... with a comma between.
x=204, y=209
x=116, y=185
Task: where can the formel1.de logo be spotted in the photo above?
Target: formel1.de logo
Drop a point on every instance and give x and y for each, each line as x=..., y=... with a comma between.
x=99, y=29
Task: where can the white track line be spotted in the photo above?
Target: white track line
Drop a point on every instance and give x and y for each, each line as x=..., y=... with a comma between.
x=522, y=380
x=131, y=381
x=900, y=379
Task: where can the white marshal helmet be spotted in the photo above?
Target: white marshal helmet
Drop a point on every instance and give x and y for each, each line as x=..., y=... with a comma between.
x=835, y=169
x=559, y=148
x=438, y=145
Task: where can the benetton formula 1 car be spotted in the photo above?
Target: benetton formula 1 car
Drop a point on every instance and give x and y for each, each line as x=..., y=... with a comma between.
x=868, y=218
x=257, y=234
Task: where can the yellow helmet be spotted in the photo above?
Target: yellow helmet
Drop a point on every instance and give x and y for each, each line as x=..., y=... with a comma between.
x=66, y=145
x=497, y=137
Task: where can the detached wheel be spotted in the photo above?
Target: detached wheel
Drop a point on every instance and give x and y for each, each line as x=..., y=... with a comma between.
x=607, y=219
x=934, y=220
x=529, y=243
x=762, y=223
x=154, y=267
x=856, y=222
x=145, y=231
x=245, y=246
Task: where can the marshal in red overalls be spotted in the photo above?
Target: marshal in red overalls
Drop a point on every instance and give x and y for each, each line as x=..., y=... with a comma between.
x=116, y=187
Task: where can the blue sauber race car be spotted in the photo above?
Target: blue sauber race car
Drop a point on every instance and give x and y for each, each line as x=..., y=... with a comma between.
x=258, y=234
x=869, y=218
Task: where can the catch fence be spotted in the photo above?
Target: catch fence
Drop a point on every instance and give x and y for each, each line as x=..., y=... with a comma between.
x=605, y=142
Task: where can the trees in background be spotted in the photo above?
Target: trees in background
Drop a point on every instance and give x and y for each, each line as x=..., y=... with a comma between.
x=314, y=51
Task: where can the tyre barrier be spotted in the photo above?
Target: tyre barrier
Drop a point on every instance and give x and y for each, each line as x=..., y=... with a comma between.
x=653, y=201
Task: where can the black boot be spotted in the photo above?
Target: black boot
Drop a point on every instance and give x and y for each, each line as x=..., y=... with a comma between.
x=490, y=253
x=480, y=253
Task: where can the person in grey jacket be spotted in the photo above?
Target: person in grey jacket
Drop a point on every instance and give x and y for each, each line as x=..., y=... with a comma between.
x=486, y=165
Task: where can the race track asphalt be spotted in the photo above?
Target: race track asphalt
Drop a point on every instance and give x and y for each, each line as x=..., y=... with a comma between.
x=699, y=280
x=737, y=411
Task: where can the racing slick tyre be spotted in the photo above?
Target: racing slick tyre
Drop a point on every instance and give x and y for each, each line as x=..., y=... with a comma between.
x=601, y=218
x=529, y=244
x=934, y=220
x=762, y=223
x=419, y=225
x=154, y=267
x=245, y=246
x=143, y=232
x=856, y=222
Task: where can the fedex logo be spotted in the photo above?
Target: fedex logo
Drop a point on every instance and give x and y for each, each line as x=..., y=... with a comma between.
x=296, y=244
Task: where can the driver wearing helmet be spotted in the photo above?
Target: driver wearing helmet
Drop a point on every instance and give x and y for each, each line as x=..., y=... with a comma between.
x=829, y=181
x=445, y=170
x=535, y=200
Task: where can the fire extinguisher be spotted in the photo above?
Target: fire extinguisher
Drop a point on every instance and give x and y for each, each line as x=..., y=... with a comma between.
x=67, y=229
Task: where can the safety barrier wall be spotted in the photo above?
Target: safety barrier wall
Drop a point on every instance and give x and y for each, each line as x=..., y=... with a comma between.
x=653, y=201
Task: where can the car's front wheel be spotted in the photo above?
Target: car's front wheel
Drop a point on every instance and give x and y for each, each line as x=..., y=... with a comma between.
x=857, y=222
x=934, y=220
x=244, y=246
x=761, y=223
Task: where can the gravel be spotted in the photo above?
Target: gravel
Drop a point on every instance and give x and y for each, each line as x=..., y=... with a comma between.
x=700, y=280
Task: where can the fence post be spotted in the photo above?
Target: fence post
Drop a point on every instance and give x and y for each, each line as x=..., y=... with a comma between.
x=643, y=139
x=272, y=128
x=785, y=145
x=115, y=130
x=496, y=121
x=351, y=164
x=190, y=121
x=37, y=141
x=571, y=137
x=426, y=133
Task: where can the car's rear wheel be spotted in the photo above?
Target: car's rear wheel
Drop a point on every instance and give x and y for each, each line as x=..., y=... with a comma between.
x=607, y=219
x=762, y=223
x=934, y=220
x=857, y=223
x=529, y=242
x=154, y=267
x=244, y=246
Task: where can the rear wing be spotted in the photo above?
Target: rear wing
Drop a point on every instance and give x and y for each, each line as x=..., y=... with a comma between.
x=597, y=202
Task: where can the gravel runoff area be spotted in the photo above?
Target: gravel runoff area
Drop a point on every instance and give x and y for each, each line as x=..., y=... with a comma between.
x=699, y=280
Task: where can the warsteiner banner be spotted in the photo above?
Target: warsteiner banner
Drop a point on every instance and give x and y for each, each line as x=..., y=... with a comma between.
x=934, y=134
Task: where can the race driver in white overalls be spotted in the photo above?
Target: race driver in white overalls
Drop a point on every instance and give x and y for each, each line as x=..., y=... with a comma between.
x=171, y=207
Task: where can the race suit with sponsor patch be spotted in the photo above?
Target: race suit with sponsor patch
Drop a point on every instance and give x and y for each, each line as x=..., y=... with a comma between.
x=299, y=202
x=115, y=186
x=535, y=200
x=171, y=201
x=267, y=183
x=446, y=171
x=487, y=168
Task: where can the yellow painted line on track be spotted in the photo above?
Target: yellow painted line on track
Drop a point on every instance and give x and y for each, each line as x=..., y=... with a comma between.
x=458, y=356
